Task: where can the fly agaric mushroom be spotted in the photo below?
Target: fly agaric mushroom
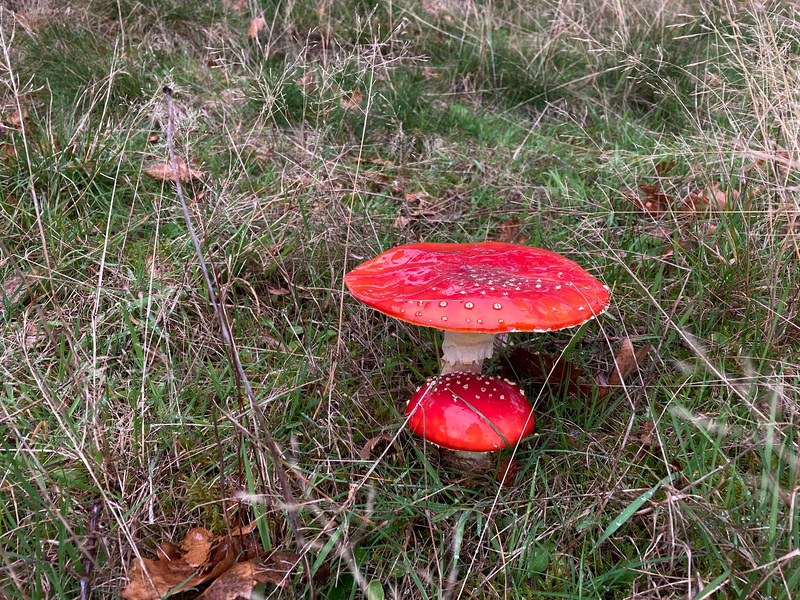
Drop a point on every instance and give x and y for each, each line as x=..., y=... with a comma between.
x=474, y=291
x=470, y=415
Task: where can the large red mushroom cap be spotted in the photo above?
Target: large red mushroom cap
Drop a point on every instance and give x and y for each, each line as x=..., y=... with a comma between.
x=488, y=287
x=474, y=413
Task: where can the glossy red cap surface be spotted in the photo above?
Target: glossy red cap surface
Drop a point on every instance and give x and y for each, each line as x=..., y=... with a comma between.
x=487, y=287
x=464, y=411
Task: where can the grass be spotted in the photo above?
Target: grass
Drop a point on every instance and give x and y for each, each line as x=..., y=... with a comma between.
x=474, y=116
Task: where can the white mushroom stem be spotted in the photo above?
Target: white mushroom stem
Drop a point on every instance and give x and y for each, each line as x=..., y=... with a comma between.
x=465, y=352
x=469, y=462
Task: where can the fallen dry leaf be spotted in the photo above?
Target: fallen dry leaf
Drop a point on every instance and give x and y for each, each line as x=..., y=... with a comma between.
x=645, y=435
x=626, y=361
x=244, y=529
x=164, y=172
x=510, y=232
x=255, y=26
x=7, y=151
x=278, y=565
x=12, y=291
x=366, y=451
x=306, y=82
x=404, y=220
x=506, y=473
x=200, y=557
x=415, y=197
x=544, y=369
x=352, y=102
x=655, y=202
x=382, y=161
x=712, y=198
x=382, y=182
x=780, y=158
x=401, y=222
x=304, y=181
x=17, y=117
x=664, y=167
x=153, y=579
x=236, y=583
x=196, y=547
x=670, y=250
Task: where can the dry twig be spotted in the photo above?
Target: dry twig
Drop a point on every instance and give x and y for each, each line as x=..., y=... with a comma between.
x=227, y=336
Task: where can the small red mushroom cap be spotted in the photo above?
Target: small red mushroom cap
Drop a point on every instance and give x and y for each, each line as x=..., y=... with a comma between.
x=475, y=413
x=487, y=287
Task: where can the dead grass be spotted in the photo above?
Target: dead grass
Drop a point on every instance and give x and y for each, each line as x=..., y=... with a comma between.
x=116, y=385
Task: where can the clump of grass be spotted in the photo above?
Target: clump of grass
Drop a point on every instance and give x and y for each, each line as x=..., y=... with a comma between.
x=116, y=384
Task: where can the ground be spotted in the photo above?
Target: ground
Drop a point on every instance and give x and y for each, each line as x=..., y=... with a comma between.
x=655, y=143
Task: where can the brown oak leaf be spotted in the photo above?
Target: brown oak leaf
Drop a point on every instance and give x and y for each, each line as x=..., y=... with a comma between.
x=164, y=171
x=353, y=101
x=255, y=26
